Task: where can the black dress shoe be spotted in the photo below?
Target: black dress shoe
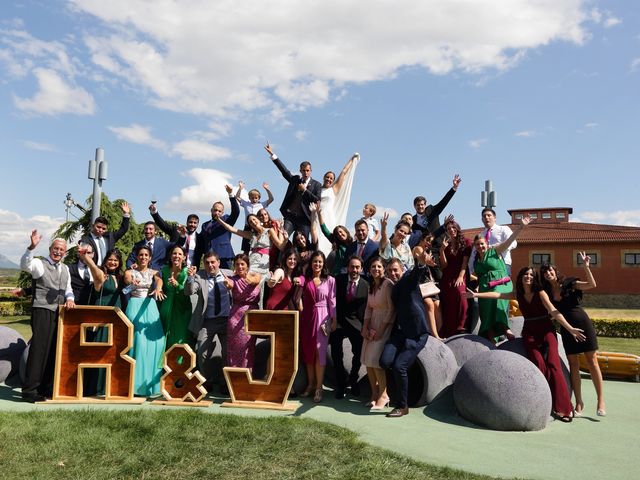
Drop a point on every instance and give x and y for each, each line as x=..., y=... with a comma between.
x=355, y=389
x=339, y=394
x=398, y=412
x=33, y=397
x=224, y=390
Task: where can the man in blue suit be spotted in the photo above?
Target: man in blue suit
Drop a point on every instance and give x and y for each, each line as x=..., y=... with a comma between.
x=213, y=235
x=363, y=246
x=158, y=246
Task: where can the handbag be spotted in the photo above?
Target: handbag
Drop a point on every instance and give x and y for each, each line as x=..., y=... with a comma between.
x=429, y=288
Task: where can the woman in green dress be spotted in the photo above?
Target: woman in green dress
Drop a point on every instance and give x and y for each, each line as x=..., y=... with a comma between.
x=175, y=310
x=492, y=275
x=108, y=279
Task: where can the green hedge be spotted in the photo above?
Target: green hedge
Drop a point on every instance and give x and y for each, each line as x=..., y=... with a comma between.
x=617, y=327
x=15, y=307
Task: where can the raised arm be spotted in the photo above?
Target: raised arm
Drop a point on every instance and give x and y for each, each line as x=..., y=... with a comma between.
x=232, y=229
x=240, y=187
x=99, y=277
x=502, y=247
x=160, y=222
x=124, y=225
x=235, y=208
x=591, y=282
x=558, y=317
x=269, y=200
x=439, y=207
x=279, y=165
x=340, y=180
x=384, y=239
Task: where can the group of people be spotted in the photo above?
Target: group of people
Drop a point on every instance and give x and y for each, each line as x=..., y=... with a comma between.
x=386, y=297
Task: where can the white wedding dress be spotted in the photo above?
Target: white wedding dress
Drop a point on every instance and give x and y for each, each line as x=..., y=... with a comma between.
x=334, y=207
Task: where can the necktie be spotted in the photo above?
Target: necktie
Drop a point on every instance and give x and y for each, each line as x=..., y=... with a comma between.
x=150, y=245
x=103, y=249
x=351, y=291
x=360, y=249
x=186, y=244
x=486, y=235
x=216, y=297
x=87, y=277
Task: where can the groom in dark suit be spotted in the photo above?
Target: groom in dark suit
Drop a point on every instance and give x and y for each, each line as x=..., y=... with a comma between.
x=352, y=292
x=158, y=246
x=301, y=192
x=363, y=246
x=102, y=241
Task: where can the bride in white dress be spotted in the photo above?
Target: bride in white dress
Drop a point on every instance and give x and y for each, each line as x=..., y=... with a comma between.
x=334, y=201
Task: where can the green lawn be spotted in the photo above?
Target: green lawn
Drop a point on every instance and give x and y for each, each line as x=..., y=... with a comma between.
x=189, y=444
x=627, y=314
x=20, y=323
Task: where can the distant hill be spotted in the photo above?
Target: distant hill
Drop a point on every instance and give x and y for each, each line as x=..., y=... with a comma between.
x=6, y=263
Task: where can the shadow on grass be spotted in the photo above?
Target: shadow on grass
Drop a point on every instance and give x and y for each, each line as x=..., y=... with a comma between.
x=443, y=410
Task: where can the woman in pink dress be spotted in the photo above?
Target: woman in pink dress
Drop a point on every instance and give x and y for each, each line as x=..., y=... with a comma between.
x=454, y=257
x=245, y=290
x=378, y=318
x=318, y=321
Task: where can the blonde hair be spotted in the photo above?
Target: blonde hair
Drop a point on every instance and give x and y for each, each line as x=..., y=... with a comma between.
x=372, y=207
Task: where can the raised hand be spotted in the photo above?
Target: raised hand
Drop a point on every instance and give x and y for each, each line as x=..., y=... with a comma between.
x=240, y=184
x=153, y=209
x=448, y=218
x=526, y=220
x=125, y=208
x=182, y=230
x=265, y=185
x=35, y=238
x=229, y=189
x=456, y=181
x=268, y=148
x=385, y=220
x=191, y=271
x=586, y=259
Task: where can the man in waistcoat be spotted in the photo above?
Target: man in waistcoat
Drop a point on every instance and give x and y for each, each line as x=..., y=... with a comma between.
x=52, y=288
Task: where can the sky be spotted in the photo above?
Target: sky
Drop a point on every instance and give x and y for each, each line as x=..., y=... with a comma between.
x=541, y=97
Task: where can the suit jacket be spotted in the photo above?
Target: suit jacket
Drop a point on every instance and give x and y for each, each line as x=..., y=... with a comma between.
x=432, y=212
x=110, y=238
x=81, y=287
x=311, y=194
x=370, y=250
x=411, y=315
x=350, y=310
x=214, y=236
x=158, y=256
x=199, y=289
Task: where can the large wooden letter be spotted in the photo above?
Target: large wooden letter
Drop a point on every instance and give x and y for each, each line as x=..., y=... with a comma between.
x=282, y=328
x=179, y=385
x=75, y=353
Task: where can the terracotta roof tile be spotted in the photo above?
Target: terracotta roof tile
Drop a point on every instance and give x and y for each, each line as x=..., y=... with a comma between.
x=570, y=232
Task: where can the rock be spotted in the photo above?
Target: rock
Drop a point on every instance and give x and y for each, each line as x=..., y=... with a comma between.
x=502, y=390
x=12, y=346
x=467, y=346
x=433, y=371
x=516, y=324
x=517, y=346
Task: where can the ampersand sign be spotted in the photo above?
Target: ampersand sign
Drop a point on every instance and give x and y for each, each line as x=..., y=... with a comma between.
x=180, y=382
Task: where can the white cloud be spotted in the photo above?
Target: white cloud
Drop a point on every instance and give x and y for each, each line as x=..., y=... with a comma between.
x=209, y=188
x=55, y=96
x=618, y=217
x=15, y=231
x=138, y=134
x=219, y=58
x=301, y=135
x=380, y=211
x=477, y=143
x=611, y=22
x=43, y=147
x=526, y=133
x=591, y=125
x=634, y=65
x=199, y=150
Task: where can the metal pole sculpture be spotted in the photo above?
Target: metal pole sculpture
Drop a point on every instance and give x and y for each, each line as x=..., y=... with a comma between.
x=97, y=173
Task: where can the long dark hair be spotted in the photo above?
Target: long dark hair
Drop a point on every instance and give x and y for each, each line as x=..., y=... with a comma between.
x=172, y=247
x=283, y=262
x=118, y=272
x=335, y=239
x=460, y=238
x=372, y=283
x=520, y=286
x=324, y=273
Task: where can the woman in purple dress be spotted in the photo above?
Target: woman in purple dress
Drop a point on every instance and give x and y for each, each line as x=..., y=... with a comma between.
x=318, y=321
x=245, y=291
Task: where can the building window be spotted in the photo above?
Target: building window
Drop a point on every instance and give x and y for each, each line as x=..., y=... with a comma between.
x=540, y=258
x=632, y=258
x=533, y=216
x=518, y=216
x=560, y=215
x=546, y=215
x=593, y=258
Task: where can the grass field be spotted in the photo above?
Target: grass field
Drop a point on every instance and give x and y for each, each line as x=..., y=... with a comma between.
x=170, y=444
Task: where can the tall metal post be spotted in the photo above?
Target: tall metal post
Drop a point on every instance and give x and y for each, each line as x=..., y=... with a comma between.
x=488, y=197
x=97, y=173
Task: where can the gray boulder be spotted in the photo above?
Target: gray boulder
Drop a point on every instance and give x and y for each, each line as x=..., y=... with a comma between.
x=516, y=324
x=467, y=346
x=12, y=346
x=502, y=390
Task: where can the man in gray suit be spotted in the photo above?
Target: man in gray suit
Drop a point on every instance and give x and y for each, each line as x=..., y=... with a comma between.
x=210, y=315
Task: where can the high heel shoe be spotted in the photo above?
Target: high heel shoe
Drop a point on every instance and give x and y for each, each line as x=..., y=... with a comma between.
x=384, y=405
x=317, y=398
x=369, y=404
x=601, y=412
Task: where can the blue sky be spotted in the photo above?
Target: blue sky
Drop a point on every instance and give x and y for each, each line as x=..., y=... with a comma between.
x=540, y=97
